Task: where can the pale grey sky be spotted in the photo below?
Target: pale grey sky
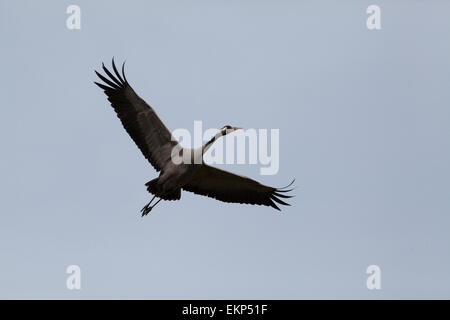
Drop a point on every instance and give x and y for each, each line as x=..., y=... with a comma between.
x=364, y=119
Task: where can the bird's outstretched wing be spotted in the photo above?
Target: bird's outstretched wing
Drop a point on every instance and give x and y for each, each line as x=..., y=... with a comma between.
x=138, y=118
x=229, y=187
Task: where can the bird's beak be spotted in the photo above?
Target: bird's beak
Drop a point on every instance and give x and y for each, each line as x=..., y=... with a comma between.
x=237, y=128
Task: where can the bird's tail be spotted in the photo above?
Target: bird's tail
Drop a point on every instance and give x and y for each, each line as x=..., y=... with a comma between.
x=154, y=188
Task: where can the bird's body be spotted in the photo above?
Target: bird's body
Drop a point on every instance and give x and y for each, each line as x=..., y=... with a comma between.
x=164, y=153
x=172, y=179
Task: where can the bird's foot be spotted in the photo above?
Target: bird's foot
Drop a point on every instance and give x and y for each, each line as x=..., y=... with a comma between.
x=145, y=210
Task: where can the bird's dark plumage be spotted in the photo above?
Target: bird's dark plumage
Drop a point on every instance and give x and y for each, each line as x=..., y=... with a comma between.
x=229, y=187
x=138, y=118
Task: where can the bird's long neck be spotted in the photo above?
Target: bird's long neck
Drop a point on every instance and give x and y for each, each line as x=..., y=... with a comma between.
x=207, y=145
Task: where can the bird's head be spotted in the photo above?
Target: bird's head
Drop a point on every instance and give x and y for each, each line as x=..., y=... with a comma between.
x=228, y=129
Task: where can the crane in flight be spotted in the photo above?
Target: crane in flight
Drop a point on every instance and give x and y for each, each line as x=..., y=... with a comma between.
x=158, y=146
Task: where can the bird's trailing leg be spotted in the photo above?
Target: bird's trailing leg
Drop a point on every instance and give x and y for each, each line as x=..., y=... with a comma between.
x=145, y=210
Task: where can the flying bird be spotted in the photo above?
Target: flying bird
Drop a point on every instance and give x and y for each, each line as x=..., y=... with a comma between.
x=159, y=146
